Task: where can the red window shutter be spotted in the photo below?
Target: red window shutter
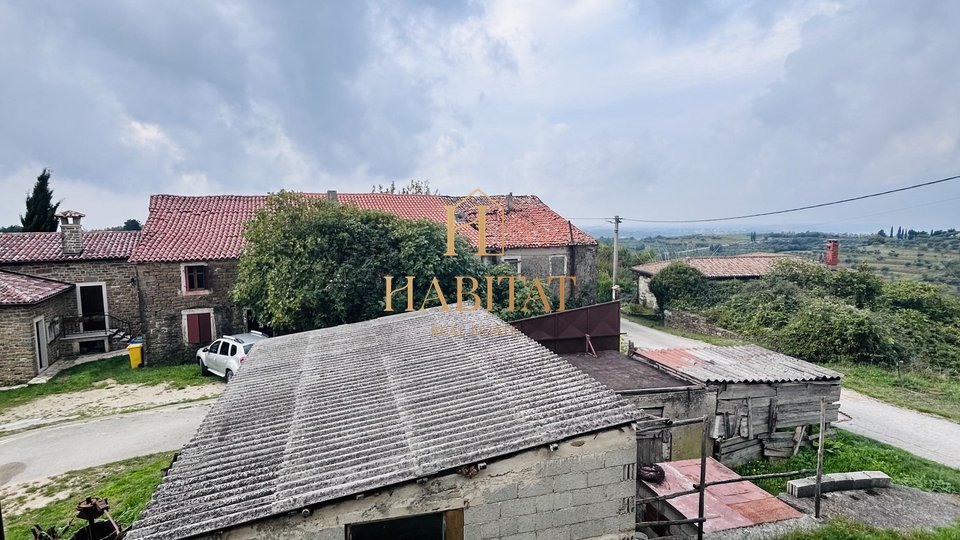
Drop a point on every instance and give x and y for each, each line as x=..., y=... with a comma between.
x=203, y=322
x=193, y=329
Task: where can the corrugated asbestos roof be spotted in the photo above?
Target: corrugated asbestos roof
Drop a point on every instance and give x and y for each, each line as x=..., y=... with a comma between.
x=335, y=412
x=745, y=363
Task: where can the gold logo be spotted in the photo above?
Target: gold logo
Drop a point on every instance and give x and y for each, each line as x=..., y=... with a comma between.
x=458, y=219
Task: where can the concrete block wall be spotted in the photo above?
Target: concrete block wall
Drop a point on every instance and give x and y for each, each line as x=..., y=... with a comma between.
x=586, y=489
x=163, y=302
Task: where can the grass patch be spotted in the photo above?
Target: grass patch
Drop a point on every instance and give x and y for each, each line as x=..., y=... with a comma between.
x=651, y=321
x=92, y=375
x=127, y=484
x=920, y=391
x=843, y=529
x=848, y=452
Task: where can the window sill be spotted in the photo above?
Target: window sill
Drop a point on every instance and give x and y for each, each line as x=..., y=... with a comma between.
x=200, y=292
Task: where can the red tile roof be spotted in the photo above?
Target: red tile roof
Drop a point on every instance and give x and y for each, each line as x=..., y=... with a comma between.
x=47, y=247
x=727, y=506
x=734, y=266
x=211, y=227
x=19, y=289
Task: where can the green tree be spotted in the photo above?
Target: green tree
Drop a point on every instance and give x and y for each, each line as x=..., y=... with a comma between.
x=11, y=228
x=626, y=259
x=678, y=284
x=41, y=212
x=415, y=187
x=132, y=225
x=310, y=264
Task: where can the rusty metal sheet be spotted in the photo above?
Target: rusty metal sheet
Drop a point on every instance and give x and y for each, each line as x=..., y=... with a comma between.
x=564, y=331
x=745, y=363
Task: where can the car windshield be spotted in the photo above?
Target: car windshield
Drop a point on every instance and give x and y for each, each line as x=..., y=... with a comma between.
x=247, y=347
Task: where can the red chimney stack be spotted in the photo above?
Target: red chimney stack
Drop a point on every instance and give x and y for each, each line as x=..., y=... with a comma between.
x=833, y=252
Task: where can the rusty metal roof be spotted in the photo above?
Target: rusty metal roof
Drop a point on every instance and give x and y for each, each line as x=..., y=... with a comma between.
x=744, y=363
x=727, y=506
x=331, y=413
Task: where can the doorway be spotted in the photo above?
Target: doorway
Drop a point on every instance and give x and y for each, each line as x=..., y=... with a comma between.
x=40, y=333
x=92, y=304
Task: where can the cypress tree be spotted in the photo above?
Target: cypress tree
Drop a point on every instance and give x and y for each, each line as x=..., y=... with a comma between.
x=41, y=213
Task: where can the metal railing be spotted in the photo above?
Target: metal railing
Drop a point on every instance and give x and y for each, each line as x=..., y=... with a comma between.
x=111, y=325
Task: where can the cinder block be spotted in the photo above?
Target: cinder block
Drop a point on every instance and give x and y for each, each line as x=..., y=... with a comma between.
x=878, y=479
x=614, y=525
x=619, y=490
x=527, y=523
x=471, y=532
x=490, y=530
x=335, y=533
x=838, y=482
x=521, y=536
x=502, y=493
x=586, y=529
x=569, y=481
x=509, y=526
x=860, y=480
x=518, y=507
x=554, y=534
x=620, y=457
x=802, y=487
x=602, y=477
x=587, y=463
x=586, y=496
x=481, y=514
x=533, y=489
x=555, y=467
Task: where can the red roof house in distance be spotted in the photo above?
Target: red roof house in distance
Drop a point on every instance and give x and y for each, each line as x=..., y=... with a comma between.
x=746, y=266
x=188, y=249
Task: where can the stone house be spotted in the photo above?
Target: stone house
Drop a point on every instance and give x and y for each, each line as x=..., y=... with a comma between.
x=387, y=429
x=102, y=310
x=31, y=315
x=746, y=266
x=186, y=258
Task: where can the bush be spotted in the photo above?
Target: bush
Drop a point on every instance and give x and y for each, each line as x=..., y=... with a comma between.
x=680, y=284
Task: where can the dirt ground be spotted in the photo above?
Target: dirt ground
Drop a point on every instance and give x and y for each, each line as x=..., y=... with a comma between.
x=109, y=398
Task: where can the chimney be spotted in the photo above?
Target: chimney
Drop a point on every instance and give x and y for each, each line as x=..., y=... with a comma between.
x=509, y=202
x=71, y=234
x=332, y=196
x=833, y=252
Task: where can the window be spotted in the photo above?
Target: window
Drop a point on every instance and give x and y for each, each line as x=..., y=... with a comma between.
x=198, y=328
x=440, y=526
x=195, y=277
x=233, y=350
x=558, y=265
x=513, y=261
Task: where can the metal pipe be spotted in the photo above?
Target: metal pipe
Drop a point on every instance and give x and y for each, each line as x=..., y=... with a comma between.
x=759, y=477
x=703, y=477
x=669, y=522
x=823, y=429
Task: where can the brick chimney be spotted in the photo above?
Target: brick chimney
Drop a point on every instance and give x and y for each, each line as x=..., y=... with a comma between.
x=332, y=196
x=509, y=202
x=71, y=233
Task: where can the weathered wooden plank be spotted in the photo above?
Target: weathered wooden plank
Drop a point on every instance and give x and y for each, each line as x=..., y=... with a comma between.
x=772, y=416
x=742, y=390
x=777, y=452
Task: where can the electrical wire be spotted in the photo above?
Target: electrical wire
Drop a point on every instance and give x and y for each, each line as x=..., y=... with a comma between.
x=789, y=210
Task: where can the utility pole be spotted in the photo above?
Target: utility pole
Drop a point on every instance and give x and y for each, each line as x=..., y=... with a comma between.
x=616, y=249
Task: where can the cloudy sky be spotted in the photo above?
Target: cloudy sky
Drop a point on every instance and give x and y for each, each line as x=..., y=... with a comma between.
x=650, y=110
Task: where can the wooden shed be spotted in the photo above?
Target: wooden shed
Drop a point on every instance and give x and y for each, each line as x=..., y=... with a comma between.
x=765, y=401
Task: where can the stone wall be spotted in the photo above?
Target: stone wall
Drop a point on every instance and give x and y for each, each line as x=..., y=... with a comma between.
x=118, y=275
x=644, y=297
x=18, y=357
x=163, y=303
x=695, y=323
x=584, y=489
x=580, y=261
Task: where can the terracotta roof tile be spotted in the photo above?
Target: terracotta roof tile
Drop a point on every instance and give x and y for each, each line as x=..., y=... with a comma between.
x=211, y=227
x=750, y=265
x=46, y=246
x=19, y=289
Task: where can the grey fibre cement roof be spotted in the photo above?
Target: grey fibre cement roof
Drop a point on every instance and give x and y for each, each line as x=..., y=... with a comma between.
x=335, y=412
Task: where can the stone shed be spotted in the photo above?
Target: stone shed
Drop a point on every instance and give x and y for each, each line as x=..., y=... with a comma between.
x=390, y=429
x=31, y=314
x=763, y=402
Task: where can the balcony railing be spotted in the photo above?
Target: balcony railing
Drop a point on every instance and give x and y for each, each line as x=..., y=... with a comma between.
x=98, y=325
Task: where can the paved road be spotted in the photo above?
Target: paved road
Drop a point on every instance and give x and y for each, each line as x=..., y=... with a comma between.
x=53, y=450
x=649, y=338
x=921, y=434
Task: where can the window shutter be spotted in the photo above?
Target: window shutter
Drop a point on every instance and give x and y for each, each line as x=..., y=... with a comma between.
x=193, y=329
x=203, y=321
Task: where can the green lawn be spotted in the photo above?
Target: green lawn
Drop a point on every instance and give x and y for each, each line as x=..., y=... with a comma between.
x=86, y=376
x=841, y=529
x=128, y=485
x=848, y=452
x=650, y=322
x=920, y=391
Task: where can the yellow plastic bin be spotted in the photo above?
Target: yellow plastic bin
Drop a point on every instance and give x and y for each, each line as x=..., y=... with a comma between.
x=135, y=349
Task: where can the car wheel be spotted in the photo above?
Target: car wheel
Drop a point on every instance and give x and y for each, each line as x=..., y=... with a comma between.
x=203, y=367
x=229, y=375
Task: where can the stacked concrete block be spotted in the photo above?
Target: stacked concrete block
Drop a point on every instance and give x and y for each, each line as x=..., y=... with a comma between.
x=806, y=487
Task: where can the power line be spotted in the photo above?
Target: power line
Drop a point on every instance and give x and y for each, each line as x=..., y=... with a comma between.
x=797, y=209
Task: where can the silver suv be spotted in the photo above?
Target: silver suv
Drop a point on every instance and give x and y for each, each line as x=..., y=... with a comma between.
x=224, y=356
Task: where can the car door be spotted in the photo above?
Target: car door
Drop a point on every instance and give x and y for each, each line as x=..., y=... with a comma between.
x=231, y=360
x=212, y=358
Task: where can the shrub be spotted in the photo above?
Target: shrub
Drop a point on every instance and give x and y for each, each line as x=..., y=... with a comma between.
x=678, y=283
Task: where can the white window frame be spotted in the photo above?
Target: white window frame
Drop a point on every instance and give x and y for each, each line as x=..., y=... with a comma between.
x=197, y=311
x=513, y=258
x=39, y=354
x=183, y=279
x=565, y=260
